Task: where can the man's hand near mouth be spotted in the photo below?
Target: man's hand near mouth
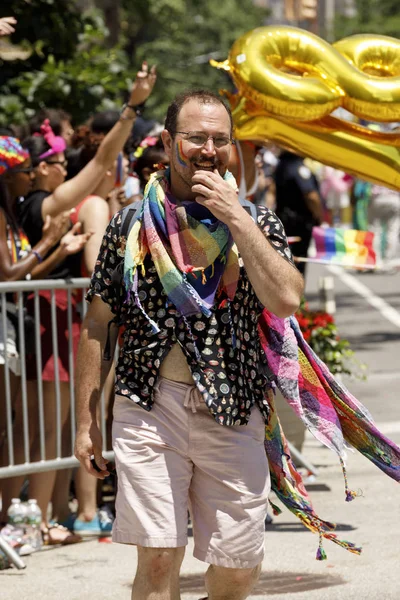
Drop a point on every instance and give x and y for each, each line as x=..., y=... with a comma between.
x=216, y=194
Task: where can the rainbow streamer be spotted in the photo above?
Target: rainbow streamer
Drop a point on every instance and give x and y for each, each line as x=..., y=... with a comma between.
x=344, y=246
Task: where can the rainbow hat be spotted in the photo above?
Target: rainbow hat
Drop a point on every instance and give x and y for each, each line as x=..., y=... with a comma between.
x=11, y=153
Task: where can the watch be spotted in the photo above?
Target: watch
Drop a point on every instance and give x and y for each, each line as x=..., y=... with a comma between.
x=137, y=108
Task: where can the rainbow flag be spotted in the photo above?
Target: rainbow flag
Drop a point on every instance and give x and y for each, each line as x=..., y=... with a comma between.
x=344, y=246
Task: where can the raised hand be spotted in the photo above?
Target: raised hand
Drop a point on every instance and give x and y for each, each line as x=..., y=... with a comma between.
x=143, y=84
x=6, y=25
x=73, y=241
x=54, y=228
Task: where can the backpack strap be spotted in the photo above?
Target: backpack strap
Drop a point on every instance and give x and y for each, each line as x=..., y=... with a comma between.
x=129, y=216
x=250, y=208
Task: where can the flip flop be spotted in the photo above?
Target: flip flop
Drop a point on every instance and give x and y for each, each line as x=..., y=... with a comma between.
x=49, y=540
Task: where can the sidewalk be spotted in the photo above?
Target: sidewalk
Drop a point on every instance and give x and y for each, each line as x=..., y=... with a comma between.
x=104, y=571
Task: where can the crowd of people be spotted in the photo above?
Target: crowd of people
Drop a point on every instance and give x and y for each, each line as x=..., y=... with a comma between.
x=305, y=193
x=58, y=189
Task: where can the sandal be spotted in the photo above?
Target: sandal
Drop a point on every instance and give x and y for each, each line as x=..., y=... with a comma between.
x=63, y=536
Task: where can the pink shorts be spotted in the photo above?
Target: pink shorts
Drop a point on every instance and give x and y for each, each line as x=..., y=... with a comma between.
x=177, y=458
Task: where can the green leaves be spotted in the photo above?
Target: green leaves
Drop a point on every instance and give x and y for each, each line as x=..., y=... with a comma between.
x=79, y=83
x=321, y=333
x=372, y=16
x=72, y=66
x=182, y=45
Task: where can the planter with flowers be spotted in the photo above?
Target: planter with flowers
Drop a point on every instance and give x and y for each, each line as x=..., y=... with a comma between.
x=321, y=333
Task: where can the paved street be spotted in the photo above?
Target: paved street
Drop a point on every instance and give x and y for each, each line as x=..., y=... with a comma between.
x=104, y=571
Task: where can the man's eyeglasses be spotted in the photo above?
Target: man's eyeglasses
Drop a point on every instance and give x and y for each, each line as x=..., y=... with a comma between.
x=199, y=139
x=63, y=163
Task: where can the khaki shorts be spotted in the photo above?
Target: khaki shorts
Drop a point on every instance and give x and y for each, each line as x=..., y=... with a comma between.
x=176, y=458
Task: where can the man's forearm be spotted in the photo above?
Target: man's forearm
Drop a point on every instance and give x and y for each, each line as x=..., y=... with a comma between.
x=91, y=373
x=115, y=139
x=276, y=282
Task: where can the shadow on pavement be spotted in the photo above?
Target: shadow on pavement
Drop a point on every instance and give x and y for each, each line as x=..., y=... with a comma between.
x=276, y=582
x=369, y=340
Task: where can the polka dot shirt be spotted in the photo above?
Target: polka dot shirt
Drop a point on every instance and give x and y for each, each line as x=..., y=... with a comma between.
x=223, y=351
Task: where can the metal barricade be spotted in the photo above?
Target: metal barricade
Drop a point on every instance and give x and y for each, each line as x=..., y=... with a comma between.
x=19, y=291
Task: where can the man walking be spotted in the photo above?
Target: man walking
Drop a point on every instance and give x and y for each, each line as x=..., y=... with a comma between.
x=191, y=388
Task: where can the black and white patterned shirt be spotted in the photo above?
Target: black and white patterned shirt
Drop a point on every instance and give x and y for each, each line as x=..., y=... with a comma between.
x=223, y=351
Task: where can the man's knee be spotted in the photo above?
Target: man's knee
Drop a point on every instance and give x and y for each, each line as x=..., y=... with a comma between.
x=238, y=578
x=157, y=564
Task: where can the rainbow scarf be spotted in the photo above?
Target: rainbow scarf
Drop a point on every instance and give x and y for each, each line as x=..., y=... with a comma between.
x=193, y=253
x=327, y=409
x=181, y=245
x=344, y=246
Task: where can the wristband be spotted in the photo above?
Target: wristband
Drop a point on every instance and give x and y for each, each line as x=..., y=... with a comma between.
x=36, y=253
x=137, y=108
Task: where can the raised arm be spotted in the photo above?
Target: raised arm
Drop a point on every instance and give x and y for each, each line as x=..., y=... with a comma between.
x=277, y=283
x=71, y=192
x=95, y=216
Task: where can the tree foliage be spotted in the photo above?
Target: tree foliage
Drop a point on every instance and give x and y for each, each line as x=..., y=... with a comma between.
x=73, y=66
x=372, y=16
x=181, y=36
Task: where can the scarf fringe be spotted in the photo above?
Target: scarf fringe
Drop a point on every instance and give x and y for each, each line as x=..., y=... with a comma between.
x=315, y=524
x=350, y=494
x=306, y=384
x=287, y=484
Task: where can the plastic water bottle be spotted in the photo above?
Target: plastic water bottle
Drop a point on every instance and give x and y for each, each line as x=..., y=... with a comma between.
x=33, y=522
x=16, y=513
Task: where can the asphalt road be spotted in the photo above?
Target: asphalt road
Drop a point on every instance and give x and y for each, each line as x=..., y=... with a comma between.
x=290, y=572
x=374, y=338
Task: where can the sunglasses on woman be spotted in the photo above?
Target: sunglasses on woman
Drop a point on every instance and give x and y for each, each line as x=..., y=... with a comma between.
x=63, y=163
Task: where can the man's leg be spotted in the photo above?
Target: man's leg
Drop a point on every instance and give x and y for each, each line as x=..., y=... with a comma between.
x=230, y=584
x=228, y=502
x=157, y=575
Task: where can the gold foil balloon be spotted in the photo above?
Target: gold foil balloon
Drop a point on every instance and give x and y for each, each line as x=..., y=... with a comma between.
x=294, y=74
x=289, y=81
x=377, y=57
x=367, y=154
